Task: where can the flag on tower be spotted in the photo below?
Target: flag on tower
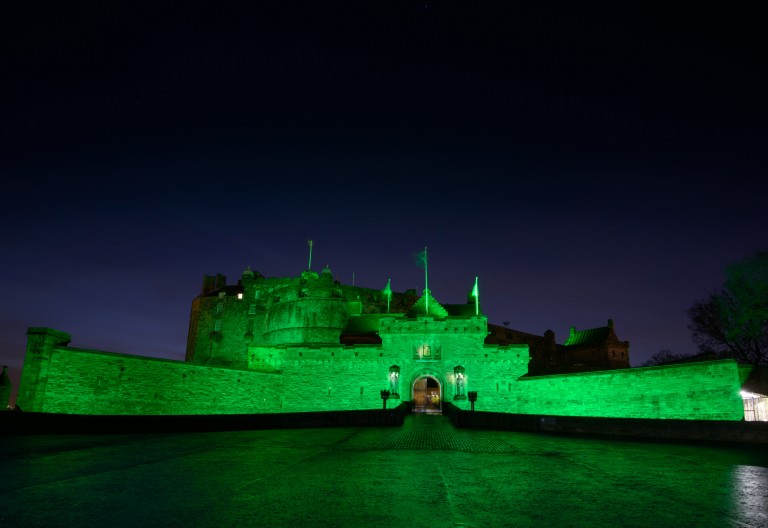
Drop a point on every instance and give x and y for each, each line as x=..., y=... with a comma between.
x=388, y=292
x=421, y=258
x=421, y=261
x=476, y=295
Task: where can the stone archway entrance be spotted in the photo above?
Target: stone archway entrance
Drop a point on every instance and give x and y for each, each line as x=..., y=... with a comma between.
x=427, y=395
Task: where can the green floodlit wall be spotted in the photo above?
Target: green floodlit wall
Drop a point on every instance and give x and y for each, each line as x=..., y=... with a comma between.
x=329, y=378
x=703, y=391
x=335, y=377
x=60, y=379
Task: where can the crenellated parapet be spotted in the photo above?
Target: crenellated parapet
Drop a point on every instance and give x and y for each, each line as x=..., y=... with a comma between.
x=429, y=337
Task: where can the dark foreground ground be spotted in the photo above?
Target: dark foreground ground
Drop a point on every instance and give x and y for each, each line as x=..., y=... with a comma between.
x=424, y=474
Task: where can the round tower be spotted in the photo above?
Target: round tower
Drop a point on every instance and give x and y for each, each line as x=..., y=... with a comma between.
x=311, y=310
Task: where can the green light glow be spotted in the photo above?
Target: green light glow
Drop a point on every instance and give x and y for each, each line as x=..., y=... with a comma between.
x=60, y=379
x=388, y=293
x=282, y=351
x=426, y=280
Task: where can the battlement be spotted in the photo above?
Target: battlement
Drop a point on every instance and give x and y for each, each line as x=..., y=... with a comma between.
x=425, y=324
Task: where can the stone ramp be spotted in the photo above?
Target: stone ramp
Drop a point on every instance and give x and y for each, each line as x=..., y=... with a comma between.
x=428, y=432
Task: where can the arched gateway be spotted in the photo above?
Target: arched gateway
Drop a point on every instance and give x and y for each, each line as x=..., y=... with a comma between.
x=427, y=395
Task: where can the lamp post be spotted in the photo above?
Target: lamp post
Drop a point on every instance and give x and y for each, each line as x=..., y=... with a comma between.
x=385, y=397
x=472, y=396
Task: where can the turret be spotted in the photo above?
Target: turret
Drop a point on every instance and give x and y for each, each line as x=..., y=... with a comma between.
x=212, y=283
x=313, y=311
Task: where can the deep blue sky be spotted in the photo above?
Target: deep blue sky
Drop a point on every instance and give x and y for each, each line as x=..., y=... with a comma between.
x=585, y=165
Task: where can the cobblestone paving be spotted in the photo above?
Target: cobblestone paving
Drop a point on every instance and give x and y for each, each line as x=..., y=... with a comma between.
x=423, y=474
x=429, y=432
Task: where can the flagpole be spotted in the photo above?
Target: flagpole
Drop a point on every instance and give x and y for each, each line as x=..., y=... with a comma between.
x=389, y=293
x=309, y=266
x=477, y=298
x=426, y=281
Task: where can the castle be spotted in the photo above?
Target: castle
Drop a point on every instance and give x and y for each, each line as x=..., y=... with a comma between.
x=310, y=343
x=228, y=320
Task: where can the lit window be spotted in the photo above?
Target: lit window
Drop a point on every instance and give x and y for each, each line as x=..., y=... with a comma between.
x=755, y=407
x=240, y=296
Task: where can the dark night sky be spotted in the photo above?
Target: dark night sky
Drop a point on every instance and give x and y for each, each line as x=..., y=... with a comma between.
x=585, y=165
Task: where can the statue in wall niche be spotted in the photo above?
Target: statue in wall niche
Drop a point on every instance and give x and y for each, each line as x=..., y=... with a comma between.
x=460, y=385
x=394, y=381
x=459, y=377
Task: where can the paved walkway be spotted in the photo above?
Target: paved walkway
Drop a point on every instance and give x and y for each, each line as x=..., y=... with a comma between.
x=431, y=432
x=425, y=474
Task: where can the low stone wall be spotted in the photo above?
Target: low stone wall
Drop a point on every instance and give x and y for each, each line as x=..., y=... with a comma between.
x=59, y=379
x=694, y=391
x=708, y=431
x=16, y=423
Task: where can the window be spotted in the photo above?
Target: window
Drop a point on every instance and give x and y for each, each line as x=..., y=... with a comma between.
x=217, y=325
x=755, y=407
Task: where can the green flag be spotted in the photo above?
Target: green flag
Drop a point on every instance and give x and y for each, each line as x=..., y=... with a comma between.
x=421, y=261
x=388, y=292
x=421, y=258
x=476, y=295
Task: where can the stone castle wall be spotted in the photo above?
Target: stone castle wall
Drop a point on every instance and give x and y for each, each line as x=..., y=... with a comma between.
x=312, y=308
x=59, y=379
x=454, y=342
x=333, y=378
x=702, y=391
x=218, y=329
x=315, y=378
